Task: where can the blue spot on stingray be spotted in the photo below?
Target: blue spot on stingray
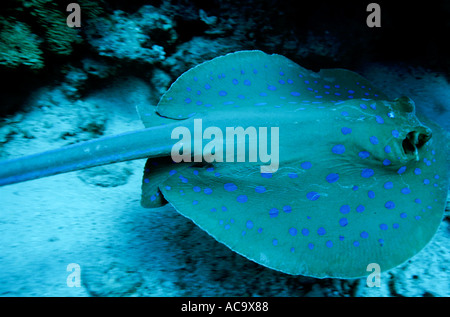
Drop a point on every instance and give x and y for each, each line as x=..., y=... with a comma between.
x=426, y=181
x=310, y=246
x=260, y=189
x=223, y=93
x=338, y=149
x=224, y=208
x=292, y=175
x=230, y=187
x=363, y=106
x=364, y=235
x=364, y=154
x=207, y=86
x=249, y=224
x=389, y=205
x=295, y=93
x=242, y=198
x=270, y=87
x=312, y=196
x=388, y=185
x=293, y=232
x=366, y=173
x=305, y=232
x=197, y=189
x=329, y=244
x=401, y=170
x=403, y=215
x=235, y=81
x=213, y=209
x=343, y=222
x=383, y=226
x=346, y=130
x=146, y=181
x=387, y=149
x=417, y=201
x=395, y=133
x=287, y=209
x=321, y=231
x=187, y=100
x=417, y=171
x=275, y=242
x=345, y=209
x=282, y=82
x=386, y=162
x=356, y=243
x=195, y=202
x=373, y=140
x=266, y=175
x=247, y=82
x=360, y=208
x=406, y=190
x=306, y=165
x=273, y=212
x=371, y=194
x=208, y=191
x=379, y=119
x=331, y=178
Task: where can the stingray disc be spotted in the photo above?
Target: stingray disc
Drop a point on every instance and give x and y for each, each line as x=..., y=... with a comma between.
x=361, y=179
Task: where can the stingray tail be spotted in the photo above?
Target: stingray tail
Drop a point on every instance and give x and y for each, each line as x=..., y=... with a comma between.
x=150, y=142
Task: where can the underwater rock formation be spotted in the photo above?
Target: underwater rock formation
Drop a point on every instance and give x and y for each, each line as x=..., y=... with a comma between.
x=136, y=37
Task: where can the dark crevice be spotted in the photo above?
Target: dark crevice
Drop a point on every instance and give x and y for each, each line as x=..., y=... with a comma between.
x=414, y=141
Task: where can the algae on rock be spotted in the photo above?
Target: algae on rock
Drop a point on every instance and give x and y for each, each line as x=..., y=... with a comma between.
x=19, y=46
x=59, y=38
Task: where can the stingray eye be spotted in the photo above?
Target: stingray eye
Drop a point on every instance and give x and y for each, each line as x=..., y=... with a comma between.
x=391, y=114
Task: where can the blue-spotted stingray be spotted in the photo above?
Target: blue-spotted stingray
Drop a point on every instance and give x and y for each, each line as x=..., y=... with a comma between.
x=361, y=179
